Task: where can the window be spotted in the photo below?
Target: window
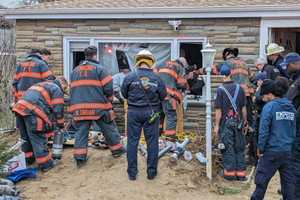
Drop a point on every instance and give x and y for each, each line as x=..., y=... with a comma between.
x=115, y=52
x=120, y=55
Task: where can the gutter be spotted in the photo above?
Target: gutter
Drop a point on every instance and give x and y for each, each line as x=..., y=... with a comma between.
x=154, y=13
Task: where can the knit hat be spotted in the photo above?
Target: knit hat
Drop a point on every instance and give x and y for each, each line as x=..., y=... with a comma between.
x=290, y=58
x=274, y=48
x=267, y=87
x=225, y=69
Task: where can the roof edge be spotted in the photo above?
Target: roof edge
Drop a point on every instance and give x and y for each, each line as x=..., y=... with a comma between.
x=153, y=13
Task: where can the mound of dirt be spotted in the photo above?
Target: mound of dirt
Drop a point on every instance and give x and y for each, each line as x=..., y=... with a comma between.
x=105, y=178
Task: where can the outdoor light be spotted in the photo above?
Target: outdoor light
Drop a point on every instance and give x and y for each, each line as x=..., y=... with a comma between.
x=208, y=55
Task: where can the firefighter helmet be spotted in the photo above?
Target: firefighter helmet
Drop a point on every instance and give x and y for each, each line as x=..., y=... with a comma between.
x=144, y=56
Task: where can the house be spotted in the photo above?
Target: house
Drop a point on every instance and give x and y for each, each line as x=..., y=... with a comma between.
x=168, y=28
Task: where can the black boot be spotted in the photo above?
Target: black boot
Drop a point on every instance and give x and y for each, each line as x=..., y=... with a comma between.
x=80, y=163
x=118, y=153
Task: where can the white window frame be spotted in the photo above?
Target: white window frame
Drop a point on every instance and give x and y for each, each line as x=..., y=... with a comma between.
x=266, y=26
x=173, y=41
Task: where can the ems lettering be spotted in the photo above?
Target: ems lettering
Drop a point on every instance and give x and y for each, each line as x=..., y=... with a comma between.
x=285, y=116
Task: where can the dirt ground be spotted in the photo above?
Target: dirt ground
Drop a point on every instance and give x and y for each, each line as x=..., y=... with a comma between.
x=105, y=178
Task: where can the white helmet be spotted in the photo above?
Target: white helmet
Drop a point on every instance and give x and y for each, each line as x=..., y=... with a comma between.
x=274, y=48
x=144, y=56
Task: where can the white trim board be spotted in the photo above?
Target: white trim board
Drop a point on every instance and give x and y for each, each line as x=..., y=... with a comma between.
x=267, y=24
x=154, y=13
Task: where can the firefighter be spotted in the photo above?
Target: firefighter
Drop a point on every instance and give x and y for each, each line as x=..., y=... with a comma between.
x=172, y=76
x=275, y=59
x=31, y=70
x=231, y=118
x=91, y=92
x=144, y=91
x=292, y=61
x=39, y=111
x=277, y=132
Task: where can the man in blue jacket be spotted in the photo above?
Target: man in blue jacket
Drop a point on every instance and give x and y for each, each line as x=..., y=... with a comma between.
x=144, y=91
x=276, y=137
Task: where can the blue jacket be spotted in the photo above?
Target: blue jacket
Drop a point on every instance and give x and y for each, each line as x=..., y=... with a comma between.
x=154, y=88
x=277, y=128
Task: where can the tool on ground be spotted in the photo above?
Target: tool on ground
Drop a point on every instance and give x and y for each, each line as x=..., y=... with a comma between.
x=58, y=145
x=179, y=151
x=201, y=158
x=165, y=150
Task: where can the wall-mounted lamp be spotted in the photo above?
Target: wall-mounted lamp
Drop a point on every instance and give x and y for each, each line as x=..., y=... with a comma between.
x=175, y=24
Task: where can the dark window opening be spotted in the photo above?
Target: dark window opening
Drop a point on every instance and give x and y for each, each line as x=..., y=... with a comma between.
x=122, y=60
x=78, y=56
x=192, y=53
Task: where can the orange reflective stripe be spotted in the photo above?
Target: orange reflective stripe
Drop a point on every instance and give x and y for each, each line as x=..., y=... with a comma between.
x=19, y=94
x=28, y=75
x=170, y=132
x=27, y=64
x=44, y=159
x=181, y=81
x=229, y=173
x=36, y=109
x=115, y=147
x=43, y=92
x=82, y=118
x=102, y=106
x=169, y=72
x=86, y=83
x=86, y=67
x=241, y=173
x=80, y=151
x=174, y=93
x=39, y=124
x=56, y=101
x=46, y=74
x=19, y=108
x=28, y=154
x=106, y=80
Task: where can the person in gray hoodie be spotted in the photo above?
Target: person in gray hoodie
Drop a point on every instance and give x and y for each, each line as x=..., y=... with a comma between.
x=277, y=133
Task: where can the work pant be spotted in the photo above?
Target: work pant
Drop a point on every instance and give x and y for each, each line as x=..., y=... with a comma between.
x=35, y=143
x=296, y=170
x=267, y=166
x=233, y=155
x=138, y=120
x=169, y=108
x=110, y=132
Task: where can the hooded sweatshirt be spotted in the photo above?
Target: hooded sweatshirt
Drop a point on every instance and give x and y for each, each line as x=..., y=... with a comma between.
x=277, y=129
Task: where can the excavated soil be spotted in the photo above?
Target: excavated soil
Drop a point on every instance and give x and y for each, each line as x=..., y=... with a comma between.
x=105, y=178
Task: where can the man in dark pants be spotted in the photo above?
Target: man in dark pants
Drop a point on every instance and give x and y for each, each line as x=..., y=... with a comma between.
x=40, y=110
x=144, y=91
x=231, y=117
x=91, y=96
x=276, y=137
x=292, y=61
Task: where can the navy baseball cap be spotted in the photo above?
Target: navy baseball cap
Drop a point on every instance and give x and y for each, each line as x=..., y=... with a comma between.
x=290, y=58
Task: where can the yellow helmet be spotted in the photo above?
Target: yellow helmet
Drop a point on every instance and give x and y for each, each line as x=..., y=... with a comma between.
x=144, y=56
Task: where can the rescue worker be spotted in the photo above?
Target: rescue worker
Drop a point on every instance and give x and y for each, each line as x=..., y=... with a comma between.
x=292, y=61
x=231, y=118
x=91, y=91
x=277, y=132
x=270, y=71
x=275, y=59
x=31, y=70
x=39, y=111
x=172, y=75
x=144, y=91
